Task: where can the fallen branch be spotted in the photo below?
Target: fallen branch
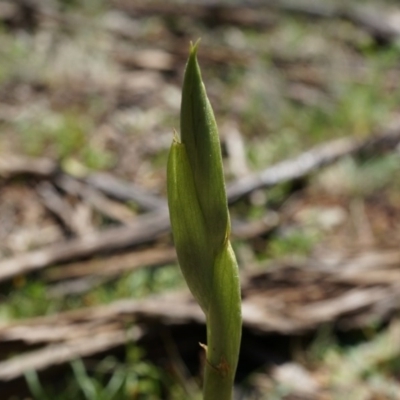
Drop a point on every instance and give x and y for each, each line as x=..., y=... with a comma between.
x=112, y=266
x=109, y=208
x=146, y=228
x=70, y=218
x=285, y=171
x=285, y=300
x=143, y=229
x=11, y=166
x=58, y=354
x=312, y=160
x=125, y=191
x=85, y=275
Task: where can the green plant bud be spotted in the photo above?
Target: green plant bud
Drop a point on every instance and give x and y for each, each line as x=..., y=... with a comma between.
x=199, y=134
x=200, y=226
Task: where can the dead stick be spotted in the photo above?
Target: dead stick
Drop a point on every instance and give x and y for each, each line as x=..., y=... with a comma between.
x=124, y=191
x=11, y=165
x=146, y=228
x=114, y=265
x=310, y=161
x=58, y=354
x=110, y=208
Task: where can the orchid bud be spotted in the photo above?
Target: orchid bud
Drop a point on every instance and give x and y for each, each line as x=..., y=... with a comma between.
x=200, y=225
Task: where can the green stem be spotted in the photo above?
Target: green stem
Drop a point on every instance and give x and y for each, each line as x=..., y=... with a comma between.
x=223, y=328
x=216, y=387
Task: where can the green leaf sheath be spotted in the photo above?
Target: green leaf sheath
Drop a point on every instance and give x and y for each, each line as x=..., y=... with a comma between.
x=200, y=225
x=188, y=226
x=224, y=327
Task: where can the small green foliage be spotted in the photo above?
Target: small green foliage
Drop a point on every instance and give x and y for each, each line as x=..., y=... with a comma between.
x=63, y=135
x=32, y=297
x=95, y=158
x=298, y=242
x=108, y=380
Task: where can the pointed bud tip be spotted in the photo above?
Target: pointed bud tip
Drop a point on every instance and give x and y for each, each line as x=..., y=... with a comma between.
x=176, y=138
x=194, y=47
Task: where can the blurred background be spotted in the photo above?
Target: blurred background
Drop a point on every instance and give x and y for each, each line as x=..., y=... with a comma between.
x=306, y=95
